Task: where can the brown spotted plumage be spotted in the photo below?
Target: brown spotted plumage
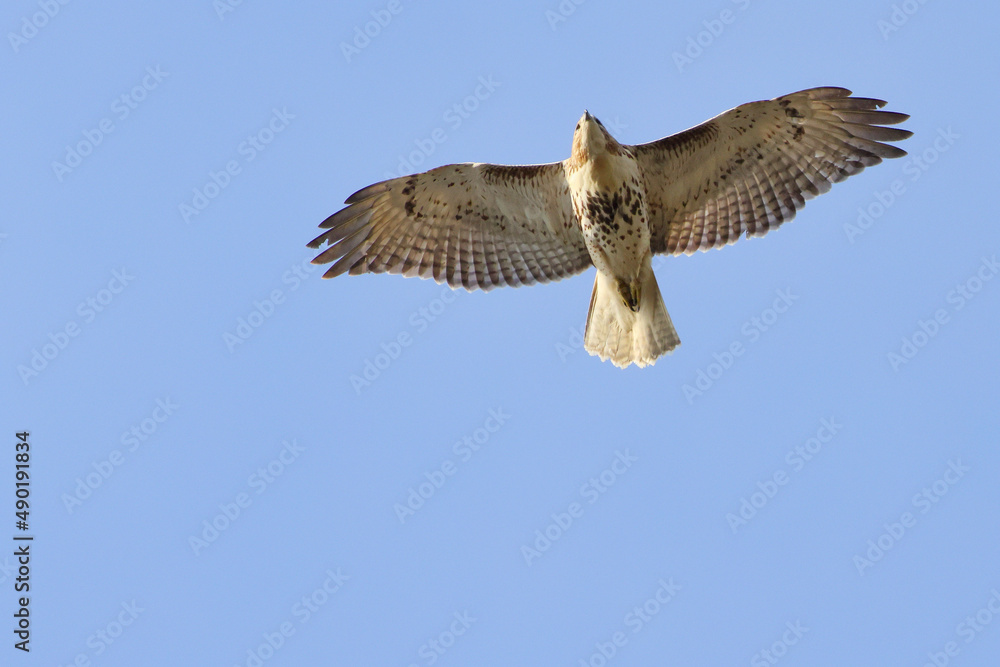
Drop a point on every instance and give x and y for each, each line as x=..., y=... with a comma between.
x=480, y=226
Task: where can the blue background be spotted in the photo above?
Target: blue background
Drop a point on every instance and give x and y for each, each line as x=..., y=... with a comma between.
x=117, y=518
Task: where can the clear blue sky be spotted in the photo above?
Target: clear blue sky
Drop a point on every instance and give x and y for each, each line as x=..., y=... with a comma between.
x=210, y=487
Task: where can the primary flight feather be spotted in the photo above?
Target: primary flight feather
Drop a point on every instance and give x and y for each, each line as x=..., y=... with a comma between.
x=610, y=205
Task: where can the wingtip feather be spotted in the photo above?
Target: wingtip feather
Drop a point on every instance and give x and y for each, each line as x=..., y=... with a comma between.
x=368, y=191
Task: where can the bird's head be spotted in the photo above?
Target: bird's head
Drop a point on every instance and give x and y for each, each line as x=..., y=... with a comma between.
x=591, y=139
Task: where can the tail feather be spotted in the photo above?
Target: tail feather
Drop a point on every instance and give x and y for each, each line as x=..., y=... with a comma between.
x=615, y=332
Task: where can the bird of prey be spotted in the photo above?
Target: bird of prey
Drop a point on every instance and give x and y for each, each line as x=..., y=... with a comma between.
x=613, y=206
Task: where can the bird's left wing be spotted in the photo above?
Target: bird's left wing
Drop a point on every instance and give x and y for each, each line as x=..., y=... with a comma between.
x=470, y=225
x=752, y=167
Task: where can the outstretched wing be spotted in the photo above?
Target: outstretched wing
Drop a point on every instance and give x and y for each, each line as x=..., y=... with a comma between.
x=470, y=225
x=752, y=167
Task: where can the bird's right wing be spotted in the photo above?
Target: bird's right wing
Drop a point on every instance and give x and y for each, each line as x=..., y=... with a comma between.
x=751, y=168
x=476, y=226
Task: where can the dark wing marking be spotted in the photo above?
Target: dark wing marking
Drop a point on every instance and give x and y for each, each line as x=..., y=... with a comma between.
x=470, y=225
x=751, y=168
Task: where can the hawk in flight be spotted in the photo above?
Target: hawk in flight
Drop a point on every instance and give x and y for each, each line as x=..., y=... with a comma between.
x=613, y=206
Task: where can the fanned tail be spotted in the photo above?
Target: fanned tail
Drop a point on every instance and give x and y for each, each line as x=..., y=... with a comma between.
x=615, y=332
